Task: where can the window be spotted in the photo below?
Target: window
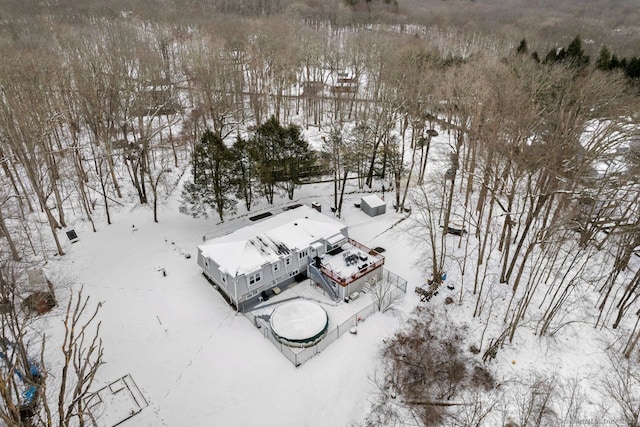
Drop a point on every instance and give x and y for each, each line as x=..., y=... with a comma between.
x=224, y=277
x=287, y=261
x=255, y=278
x=303, y=254
x=276, y=267
x=293, y=273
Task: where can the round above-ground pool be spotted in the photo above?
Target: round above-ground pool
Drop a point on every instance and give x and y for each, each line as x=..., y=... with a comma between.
x=299, y=323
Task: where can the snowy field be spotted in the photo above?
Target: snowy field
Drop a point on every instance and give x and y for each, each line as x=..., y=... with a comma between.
x=199, y=363
x=196, y=361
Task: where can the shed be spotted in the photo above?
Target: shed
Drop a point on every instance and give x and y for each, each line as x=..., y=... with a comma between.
x=373, y=205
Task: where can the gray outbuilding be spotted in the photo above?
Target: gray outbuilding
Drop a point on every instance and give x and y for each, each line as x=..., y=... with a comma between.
x=373, y=205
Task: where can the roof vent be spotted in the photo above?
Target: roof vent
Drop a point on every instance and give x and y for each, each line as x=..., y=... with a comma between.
x=295, y=223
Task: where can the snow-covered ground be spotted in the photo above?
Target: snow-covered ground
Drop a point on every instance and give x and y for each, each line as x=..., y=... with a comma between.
x=198, y=362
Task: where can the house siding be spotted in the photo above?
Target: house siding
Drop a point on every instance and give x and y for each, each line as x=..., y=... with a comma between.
x=240, y=284
x=250, y=302
x=358, y=285
x=238, y=288
x=249, y=294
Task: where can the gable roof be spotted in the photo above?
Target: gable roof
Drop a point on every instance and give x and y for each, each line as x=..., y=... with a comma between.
x=249, y=248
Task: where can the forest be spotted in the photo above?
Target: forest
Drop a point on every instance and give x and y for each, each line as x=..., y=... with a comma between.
x=107, y=104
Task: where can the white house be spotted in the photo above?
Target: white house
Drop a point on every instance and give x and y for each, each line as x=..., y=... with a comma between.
x=265, y=257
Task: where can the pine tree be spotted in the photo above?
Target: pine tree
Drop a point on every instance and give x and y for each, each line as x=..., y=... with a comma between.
x=551, y=57
x=265, y=155
x=535, y=56
x=572, y=56
x=614, y=62
x=522, y=47
x=575, y=53
x=633, y=68
x=244, y=171
x=297, y=159
x=604, y=60
x=211, y=185
x=279, y=155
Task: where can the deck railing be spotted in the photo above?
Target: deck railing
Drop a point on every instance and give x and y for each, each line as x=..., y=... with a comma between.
x=365, y=249
x=344, y=281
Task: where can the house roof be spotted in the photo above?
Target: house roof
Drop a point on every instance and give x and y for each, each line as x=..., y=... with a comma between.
x=373, y=201
x=335, y=239
x=249, y=248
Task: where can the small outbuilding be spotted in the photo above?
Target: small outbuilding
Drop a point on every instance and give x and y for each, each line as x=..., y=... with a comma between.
x=373, y=205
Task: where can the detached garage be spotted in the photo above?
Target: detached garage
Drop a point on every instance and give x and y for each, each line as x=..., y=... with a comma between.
x=373, y=205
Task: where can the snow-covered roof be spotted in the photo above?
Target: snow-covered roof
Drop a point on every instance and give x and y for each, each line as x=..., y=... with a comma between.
x=373, y=201
x=335, y=239
x=249, y=248
x=349, y=261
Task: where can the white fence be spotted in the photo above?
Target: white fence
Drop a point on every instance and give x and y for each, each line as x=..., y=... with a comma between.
x=395, y=280
x=298, y=356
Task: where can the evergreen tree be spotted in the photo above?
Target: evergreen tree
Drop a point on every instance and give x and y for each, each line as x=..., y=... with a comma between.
x=535, y=56
x=297, y=159
x=280, y=155
x=551, y=57
x=604, y=60
x=561, y=55
x=522, y=47
x=265, y=155
x=614, y=62
x=622, y=64
x=575, y=53
x=211, y=185
x=633, y=68
x=244, y=171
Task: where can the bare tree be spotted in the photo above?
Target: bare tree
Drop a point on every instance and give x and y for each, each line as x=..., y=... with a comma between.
x=82, y=350
x=26, y=121
x=385, y=294
x=212, y=74
x=622, y=385
x=37, y=389
x=426, y=231
x=333, y=146
x=428, y=375
x=477, y=410
x=5, y=205
x=533, y=398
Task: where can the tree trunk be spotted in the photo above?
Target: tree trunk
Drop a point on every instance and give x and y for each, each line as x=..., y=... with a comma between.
x=540, y=202
x=374, y=152
x=344, y=184
x=15, y=255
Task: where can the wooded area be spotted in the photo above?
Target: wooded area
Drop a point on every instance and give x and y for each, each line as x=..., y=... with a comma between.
x=105, y=103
